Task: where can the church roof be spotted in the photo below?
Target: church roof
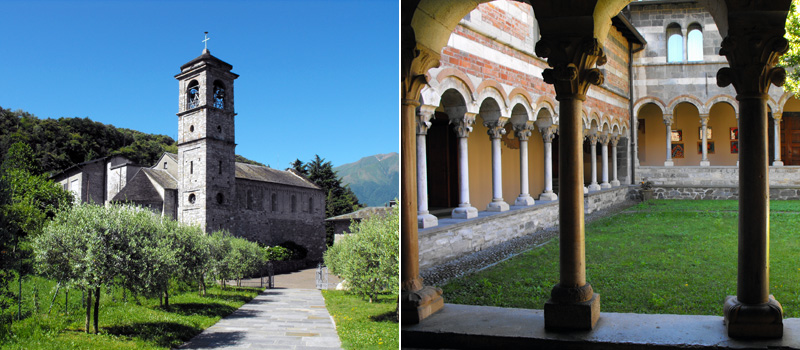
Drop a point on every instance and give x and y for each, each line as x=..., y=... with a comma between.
x=174, y=156
x=138, y=189
x=162, y=178
x=264, y=174
x=207, y=57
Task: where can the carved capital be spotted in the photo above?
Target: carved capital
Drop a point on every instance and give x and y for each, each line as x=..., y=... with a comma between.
x=463, y=125
x=415, y=61
x=704, y=119
x=667, y=119
x=603, y=139
x=592, y=139
x=753, y=57
x=549, y=133
x=614, y=140
x=523, y=131
x=424, y=116
x=496, y=128
x=573, y=60
x=777, y=117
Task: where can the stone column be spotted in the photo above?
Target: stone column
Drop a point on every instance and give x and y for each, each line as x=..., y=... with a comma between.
x=593, y=186
x=752, y=56
x=523, y=132
x=668, y=123
x=604, y=158
x=704, y=145
x=614, y=141
x=777, y=121
x=496, y=131
x=417, y=301
x=463, y=127
x=547, y=136
x=573, y=304
x=424, y=218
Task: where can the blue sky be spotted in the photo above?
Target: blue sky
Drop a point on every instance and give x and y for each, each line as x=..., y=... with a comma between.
x=316, y=77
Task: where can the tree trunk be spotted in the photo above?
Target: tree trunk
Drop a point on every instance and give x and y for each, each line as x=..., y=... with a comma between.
x=96, y=310
x=53, y=301
x=88, y=310
x=166, y=298
x=66, y=301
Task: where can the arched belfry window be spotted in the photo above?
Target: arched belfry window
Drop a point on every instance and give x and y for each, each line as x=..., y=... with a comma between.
x=219, y=94
x=674, y=43
x=193, y=95
x=694, y=43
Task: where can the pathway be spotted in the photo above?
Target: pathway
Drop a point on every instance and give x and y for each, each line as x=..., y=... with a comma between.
x=291, y=316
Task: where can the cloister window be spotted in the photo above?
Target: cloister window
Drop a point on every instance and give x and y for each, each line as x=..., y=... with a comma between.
x=694, y=43
x=674, y=43
x=219, y=95
x=274, y=202
x=193, y=95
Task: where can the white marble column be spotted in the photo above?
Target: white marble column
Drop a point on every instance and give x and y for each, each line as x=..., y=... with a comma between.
x=463, y=127
x=704, y=132
x=777, y=119
x=424, y=218
x=548, y=134
x=496, y=131
x=614, y=179
x=668, y=123
x=523, y=132
x=604, y=158
x=593, y=186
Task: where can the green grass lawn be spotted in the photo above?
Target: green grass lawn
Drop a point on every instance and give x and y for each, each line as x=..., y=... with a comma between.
x=123, y=325
x=662, y=256
x=364, y=325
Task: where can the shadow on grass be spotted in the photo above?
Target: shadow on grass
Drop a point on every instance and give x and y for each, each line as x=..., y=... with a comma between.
x=390, y=316
x=165, y=334
x=239, y=298
x=202, y=309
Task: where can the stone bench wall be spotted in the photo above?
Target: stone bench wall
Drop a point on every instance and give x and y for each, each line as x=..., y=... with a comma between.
x=696, y=182
x=444, y=243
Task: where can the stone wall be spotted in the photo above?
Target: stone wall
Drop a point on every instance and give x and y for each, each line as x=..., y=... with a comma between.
x=696, y=182
x=447, y=242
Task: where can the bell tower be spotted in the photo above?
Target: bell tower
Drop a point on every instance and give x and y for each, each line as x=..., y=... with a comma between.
x=206, y=143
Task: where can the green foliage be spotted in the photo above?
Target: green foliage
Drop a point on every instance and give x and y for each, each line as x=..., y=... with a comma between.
x=234, y=258
x=363, y=325
x=368, y=258
x=241, y=159
x=791, y=59
x=297, y=251
x=277, y=253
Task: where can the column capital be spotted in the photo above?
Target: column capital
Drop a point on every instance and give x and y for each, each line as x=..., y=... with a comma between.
x=424, y=116
x=704, y=119
x=572, y=59
x=603, y=139
x=667, y=119
x=463, y=125
x=523, y=131
x=415, y=61
x=548, y=133
x=777, y=117
x=614, y=140
x=592, y=138
x=753, y=56
x=496, y=128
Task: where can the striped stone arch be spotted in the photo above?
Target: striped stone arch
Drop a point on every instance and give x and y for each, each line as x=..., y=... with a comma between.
x=687, y=99
x=519, y=96
x=594, y=118
x=463, y=87
x=605, y=122
x=649, y=99
x=547, y=102
x=721, y=99
x=493, y=89
x=615, y=127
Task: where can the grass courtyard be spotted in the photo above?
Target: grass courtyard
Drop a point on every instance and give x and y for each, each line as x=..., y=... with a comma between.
x=658, y=257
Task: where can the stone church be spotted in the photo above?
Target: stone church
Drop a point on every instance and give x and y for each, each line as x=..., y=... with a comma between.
x=203, y=185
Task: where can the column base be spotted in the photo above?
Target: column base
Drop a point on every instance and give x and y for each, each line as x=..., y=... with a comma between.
x=585, y=190
x=605, y=185
x=524, y=201
x=548, y=196
x=572, y=316
x=705, y=163
x=416, y=306
x=427, y=220
x=497, y=206
x=669, y=163
x=753, y=321
x=777, y=163
x=467, y=212
x=615, y=183
x=594, y=187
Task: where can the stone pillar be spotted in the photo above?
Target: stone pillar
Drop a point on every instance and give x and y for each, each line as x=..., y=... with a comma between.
x=704, y=145
x=547, y=136
x=417, y=301
x=523, y=132
x=593, y=186
x=668, y=123
x=496, y=131
x=463, y=127
x=752, y=56
x=573, y=305
x=614, y=141
x=604, y=158
x=777, y=121
x=424, y=218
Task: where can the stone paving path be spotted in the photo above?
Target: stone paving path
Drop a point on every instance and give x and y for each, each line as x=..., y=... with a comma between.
x=281, y=318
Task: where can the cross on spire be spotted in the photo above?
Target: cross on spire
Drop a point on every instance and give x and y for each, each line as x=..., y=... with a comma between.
x=205, y=42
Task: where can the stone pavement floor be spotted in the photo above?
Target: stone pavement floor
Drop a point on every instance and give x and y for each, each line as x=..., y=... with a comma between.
x=280, y=318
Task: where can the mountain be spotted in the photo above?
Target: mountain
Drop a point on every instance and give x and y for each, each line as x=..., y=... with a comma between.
x=374, y=179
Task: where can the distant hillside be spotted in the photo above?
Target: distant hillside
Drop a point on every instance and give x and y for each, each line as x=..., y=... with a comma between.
x=374, y=179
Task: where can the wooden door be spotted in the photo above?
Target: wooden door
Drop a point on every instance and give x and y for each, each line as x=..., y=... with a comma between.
x=790, y=138
x=441, y=152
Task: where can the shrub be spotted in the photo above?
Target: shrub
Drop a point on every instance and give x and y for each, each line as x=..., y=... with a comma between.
x=368, y=258
x=277, y=253
x=298, y=252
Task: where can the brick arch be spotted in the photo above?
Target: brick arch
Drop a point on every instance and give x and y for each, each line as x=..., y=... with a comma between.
x=721, y=99
x=450, y=72
x=455, y=83
x=649, y=99
x=594, y=117
x=688, y=99
x=547, y=102
x=491, y=88
x=519, y=96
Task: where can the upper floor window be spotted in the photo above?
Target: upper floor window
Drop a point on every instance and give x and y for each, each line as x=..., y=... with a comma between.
x=193, y=95
x=219, y=94
x=274, y=202
x=694, y=43
x=674, y=43
x=294, y=203
x=310, y=205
